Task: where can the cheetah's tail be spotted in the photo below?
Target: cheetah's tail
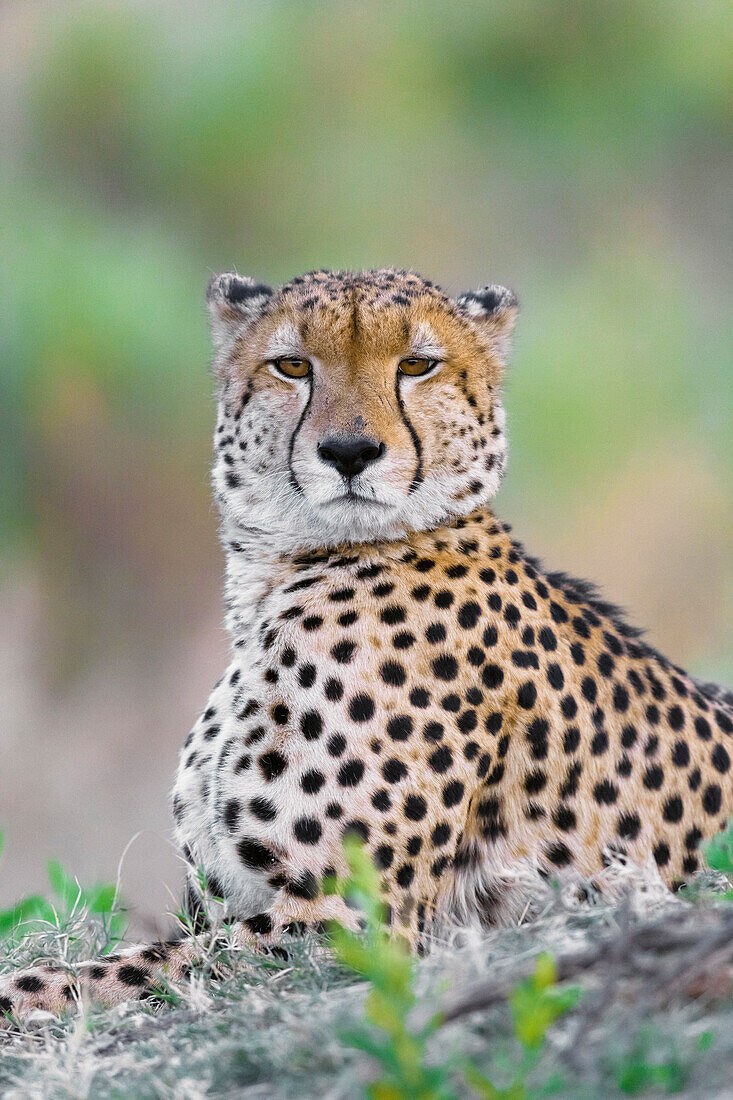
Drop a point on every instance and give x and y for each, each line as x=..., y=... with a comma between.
x=137, y=974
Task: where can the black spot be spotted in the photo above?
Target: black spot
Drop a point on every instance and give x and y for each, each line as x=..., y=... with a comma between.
x=676, y=717
x=723, y=721
x=272, y=764
x=350, y=773
x=29, y=983
x=492, y=676
x=383, y=857
x=559, y=854
x=433, y=731
x=307, y=676
x=415, y=807
x=307, y=830
x=606, y=664
x=653, y=778
x=381, y=801
x=673, y=809
x=393, y=615
x=336, y=744
x=523, y=658
x=263, y=809
x=512, y=614
x=628, y=736
x=393, y=770
x=260, y=925
x=133, y=975
x=588, y=687
x=340, y=595
x=620, y=698
x=419, y=697
x=440, y=834
x=468, y=615
x=571, y=740
x=343, y=652
x=435, y=633
x=493, y=722
x=605, y=792
x=467, y=721
x=231, y=815
x=711, y=799
x=333, y=690
x=629, y=826
x=681, y=754
x=537, y=736
x=441, y=760
x=393, y=673
x=312, y=781
x=535, y=781
x=569, y=707
x=361, y=708
x=564, y=818
x=720, y=759
x=577, y=653
x=662, y=854
x=702, y=728
x=311, y=725
x=403, y=640
x=452, y=793
x=399, y=727
x=527, y=695
x=580, y=627
x=445, y=667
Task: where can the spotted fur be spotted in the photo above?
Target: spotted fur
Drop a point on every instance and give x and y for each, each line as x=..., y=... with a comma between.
x=401, y=667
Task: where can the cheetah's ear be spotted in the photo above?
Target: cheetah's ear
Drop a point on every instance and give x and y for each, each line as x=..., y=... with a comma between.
x=234, y=302
x=494, y=310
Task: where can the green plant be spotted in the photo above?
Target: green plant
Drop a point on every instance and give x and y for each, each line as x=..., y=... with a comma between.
x=639, y=1070
x=387, y=1036
x=34, y=912
x=399, y=1047
x=535, y=1004
x=718, y=854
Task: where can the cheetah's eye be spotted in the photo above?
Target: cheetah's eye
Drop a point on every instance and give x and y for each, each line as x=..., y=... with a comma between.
x=293, y=368
x=414, y=366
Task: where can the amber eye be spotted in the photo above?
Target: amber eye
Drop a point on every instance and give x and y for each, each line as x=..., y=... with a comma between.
x=415, y=366
x=293, y=368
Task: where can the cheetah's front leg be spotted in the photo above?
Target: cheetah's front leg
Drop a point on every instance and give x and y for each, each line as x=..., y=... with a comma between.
x=266, y=929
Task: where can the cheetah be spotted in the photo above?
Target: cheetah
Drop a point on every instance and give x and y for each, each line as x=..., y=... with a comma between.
x=401, y=668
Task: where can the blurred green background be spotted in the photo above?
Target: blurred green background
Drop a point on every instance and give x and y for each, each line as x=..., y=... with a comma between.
x=576, y=150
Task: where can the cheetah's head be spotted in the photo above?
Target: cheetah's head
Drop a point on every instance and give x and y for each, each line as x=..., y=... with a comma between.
x=355, y=407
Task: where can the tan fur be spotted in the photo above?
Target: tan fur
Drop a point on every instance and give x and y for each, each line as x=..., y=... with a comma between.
x=401, y=668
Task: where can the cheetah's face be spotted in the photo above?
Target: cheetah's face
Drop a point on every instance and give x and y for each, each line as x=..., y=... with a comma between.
x=356, y=407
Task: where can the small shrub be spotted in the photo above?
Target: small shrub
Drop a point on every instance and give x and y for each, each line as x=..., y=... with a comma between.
x=401, y=1049
x=35, y=913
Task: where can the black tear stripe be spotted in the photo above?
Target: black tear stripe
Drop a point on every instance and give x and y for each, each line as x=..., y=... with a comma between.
x=418, y=478
x=293, y=479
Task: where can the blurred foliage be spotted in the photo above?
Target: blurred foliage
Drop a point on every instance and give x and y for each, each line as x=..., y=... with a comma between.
x=569, y=147
x=70, y=904
x=400, y=1048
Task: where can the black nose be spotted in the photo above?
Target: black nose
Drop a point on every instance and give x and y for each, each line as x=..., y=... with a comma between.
x=350, y=454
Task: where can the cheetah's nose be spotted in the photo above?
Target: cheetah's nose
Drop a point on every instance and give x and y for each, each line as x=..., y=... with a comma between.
x=350, y=454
